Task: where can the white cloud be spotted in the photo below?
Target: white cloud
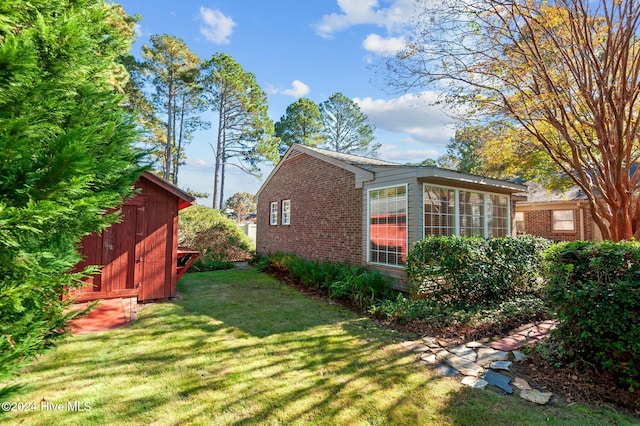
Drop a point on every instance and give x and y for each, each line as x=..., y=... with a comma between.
x=358, y=12
x=217, y=27
x=383, y=46
x=391, y=152
x=412, y=115
x=298, y=89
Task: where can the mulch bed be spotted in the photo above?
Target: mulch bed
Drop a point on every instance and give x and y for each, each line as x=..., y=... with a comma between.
x=581, y=383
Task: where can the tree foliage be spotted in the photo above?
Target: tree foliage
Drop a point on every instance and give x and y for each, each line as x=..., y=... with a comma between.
x=502, y=151
x=245, y=131
x=67, y=157
x=242, y=203
x=427, y=162
x=172, y=108
x=346, y=128
x=301, y=124
x=566, y=72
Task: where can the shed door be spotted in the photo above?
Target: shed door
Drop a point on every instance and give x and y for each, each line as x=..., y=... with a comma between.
x=122, y=253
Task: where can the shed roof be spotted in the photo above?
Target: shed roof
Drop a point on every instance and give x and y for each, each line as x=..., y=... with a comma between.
x=184, y=199
x=365, y=170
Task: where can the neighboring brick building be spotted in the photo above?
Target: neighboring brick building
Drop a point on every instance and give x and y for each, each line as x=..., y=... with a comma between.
x=324, y=205
x=556, y=215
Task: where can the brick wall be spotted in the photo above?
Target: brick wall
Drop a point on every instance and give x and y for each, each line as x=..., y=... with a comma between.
x=326, y=212
x=538, y=223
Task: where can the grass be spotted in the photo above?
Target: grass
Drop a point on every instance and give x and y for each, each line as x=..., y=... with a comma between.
x=242, y=348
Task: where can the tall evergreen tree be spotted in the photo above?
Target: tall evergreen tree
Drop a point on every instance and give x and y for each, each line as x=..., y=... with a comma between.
x=301, y=124
x=172, y=70
x=346, y=128
x=245, y=131
x=66, y=158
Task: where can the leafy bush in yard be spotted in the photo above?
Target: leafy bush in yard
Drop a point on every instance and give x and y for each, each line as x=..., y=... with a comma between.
x=218, y=239
x=595, y=289
x=490, y=318
x=338, y=280
x=472, y=270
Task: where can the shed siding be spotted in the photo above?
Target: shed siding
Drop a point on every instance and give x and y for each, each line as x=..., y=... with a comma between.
x=138, y=255
x=326, y=212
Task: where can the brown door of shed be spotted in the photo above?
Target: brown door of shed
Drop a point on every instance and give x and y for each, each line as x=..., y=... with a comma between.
x=122, y=254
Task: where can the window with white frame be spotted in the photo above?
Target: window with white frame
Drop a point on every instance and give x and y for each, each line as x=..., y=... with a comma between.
x=286, y=212
x=388, y=226
x=273, y=213
x=497, y=215
x=439, y=210
x=452, y=211
x=471, y=213
x=563, y=220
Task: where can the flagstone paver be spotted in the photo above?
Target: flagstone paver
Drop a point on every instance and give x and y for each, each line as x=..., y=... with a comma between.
x=509, y=343
x=498, y=380
x=446, y=370
x=520, y=384
x=463, y=365
x=464, y=352
x=488, y=355
x=500, y=365
x=534, y=395
x=474, y=382
x=479, y=362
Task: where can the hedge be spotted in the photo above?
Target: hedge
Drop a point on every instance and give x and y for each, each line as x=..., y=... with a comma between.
x=473, y=270
x=595, y=289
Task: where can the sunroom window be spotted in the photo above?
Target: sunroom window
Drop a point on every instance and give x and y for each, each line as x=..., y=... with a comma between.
x=452, y=211
x=388, y=226
x=439, y=211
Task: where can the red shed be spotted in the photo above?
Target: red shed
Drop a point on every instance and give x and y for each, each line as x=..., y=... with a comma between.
x=139, y=255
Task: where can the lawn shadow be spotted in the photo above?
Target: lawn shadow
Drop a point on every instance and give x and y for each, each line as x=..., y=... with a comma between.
x=242, y=348
x=255, y=303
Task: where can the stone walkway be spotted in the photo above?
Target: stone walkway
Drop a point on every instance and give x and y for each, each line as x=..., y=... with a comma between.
x=485, y=363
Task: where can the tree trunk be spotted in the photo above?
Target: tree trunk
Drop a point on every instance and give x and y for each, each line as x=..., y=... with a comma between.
x=167, y=149
x=224, y=161
x=218, y=155
x=176, y=161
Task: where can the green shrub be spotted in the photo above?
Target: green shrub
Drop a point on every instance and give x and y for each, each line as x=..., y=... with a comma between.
x=471, y=270
x=491, y=318
x=360, y=286
x=595, y=289
x=216, y=237
x=337, y=280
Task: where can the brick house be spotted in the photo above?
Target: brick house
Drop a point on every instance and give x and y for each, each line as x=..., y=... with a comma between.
x=556, y=215
x=324, y=205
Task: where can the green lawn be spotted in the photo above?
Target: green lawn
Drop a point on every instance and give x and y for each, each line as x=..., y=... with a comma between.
x=242, y=348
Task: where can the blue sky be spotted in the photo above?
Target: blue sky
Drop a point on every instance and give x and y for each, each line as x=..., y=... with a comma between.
x=312, y=49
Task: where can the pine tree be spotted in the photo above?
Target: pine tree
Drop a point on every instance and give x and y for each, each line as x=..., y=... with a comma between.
x=346, y=128
x=301, y=124
x=245, y=131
